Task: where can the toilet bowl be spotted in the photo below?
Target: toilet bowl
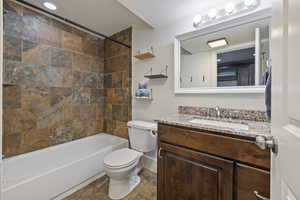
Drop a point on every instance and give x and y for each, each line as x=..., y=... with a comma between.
x=122, y=166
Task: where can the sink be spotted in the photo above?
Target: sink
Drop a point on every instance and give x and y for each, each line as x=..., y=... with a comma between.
x=230, y=125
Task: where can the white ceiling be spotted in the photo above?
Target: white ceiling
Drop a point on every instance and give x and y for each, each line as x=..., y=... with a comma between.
x=104, y=16
x=158, y=13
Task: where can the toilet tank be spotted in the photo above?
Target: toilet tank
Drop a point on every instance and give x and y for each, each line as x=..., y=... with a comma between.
x=142, y=135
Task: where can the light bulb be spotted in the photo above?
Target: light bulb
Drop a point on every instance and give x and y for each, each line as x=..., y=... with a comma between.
x=212, y=13
x=230, y=8
x=197, y=20
x=250, y=3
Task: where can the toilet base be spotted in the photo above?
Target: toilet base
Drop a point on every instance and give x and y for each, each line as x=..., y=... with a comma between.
x=118, y=189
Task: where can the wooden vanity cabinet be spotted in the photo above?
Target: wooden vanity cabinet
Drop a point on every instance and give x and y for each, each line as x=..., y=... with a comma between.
x=190, y=166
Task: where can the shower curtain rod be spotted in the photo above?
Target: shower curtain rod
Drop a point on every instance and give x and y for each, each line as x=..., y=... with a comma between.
x=72, y=22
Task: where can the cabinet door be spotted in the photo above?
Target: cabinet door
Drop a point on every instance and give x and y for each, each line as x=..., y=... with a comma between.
x=250, y=179
x=184, y=174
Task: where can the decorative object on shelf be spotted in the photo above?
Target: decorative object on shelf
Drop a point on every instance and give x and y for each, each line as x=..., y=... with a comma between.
x=162, y=74
x=143, y=93
x=145, y=54
x=229, y=10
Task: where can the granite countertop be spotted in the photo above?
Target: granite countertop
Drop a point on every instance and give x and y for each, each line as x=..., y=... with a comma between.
x=255, y=128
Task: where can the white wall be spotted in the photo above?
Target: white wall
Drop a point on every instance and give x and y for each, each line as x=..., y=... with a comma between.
x=165, y=101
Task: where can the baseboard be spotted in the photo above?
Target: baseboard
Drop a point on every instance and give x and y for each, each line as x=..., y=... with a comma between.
x=150, y=163
x=78, y=187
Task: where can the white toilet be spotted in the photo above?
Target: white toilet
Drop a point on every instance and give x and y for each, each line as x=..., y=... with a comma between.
x=123, y=165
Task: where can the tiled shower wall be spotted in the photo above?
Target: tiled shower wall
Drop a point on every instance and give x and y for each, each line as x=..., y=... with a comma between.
x=117, y=83
x=53, y=82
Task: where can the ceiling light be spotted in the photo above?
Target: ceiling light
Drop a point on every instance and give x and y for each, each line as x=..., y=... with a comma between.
x=217, y=43
x=212, y=13
x=197, y=20
x=50, y=5
x=250, y=3
x=230, y=8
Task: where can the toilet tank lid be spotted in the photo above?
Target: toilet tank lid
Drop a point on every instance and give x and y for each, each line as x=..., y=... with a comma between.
x=142, y=125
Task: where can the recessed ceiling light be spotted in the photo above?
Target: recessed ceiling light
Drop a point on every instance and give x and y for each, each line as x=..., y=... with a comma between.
x=217, y=43
x=50, y=5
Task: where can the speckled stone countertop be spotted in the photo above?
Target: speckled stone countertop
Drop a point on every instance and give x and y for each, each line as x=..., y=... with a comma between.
x=255, y=128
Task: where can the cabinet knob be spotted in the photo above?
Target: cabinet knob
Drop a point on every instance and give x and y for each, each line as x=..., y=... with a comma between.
x=259, y=197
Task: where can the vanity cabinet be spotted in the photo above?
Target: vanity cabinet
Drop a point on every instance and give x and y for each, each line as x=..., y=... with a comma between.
x=196, y=165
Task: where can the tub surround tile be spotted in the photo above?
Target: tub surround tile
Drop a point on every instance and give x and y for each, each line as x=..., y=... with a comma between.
x=117, y=83
x=13, y=48
x=81, y=96
x=61, y=58
x=12, y=97
x=46, y=102
x=12, y=21
x=35, y=53
x=71, y=41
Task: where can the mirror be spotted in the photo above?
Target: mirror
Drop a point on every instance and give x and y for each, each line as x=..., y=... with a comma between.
x=236, y=57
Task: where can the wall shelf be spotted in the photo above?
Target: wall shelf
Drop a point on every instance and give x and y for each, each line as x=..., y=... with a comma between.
x=162, y=74
x=144, y=98
x=156, y=76
x=145, y=54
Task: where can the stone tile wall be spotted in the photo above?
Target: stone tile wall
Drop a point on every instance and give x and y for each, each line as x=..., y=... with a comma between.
x=54, y=82
x=117, y=83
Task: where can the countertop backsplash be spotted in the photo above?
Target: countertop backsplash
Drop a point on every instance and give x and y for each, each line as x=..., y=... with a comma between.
x=251, y=115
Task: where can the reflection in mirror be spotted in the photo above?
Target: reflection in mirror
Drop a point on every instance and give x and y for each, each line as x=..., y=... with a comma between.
x=237, y=56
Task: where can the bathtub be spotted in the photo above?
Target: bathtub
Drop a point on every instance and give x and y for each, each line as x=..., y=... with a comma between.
x=51, y=172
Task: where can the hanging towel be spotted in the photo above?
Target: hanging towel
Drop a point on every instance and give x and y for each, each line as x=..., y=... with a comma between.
x=268, y=94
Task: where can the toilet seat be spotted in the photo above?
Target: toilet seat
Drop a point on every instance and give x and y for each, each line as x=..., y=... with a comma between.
x=121, y=158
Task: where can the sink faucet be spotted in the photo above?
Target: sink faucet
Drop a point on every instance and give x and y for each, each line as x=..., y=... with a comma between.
x=218, y=111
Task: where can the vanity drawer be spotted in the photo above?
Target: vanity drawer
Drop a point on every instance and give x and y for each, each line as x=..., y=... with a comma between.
x=236, y=149
x=246, y=184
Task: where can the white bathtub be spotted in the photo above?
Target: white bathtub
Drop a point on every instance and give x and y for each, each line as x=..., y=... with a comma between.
x=47, y=173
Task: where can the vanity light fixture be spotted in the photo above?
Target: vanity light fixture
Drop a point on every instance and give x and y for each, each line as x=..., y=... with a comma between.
x=250, y=3
x=217, y=43
x=229, y=10
x=197, y=20
x=49, y=5
x=213, y=13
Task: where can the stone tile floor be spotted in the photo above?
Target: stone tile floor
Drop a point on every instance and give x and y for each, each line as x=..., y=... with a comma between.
x=98, y=190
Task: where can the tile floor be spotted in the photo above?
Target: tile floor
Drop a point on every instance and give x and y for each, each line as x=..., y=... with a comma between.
x=98, y=189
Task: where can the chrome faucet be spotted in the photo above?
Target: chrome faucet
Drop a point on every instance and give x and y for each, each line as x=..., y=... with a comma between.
x=218, y=111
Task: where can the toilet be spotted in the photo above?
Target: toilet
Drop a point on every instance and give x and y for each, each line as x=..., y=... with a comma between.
x=122, y=166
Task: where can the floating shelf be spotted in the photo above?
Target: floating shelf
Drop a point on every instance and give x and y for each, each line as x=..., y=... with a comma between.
x=144, y=56
x=156, y=76
x=144, y=98
x=162, y=74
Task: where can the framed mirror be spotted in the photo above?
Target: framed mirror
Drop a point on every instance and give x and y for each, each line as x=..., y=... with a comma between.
x=229, y=57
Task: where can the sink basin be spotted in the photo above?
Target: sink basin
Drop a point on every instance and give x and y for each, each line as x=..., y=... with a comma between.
x=221, y=124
